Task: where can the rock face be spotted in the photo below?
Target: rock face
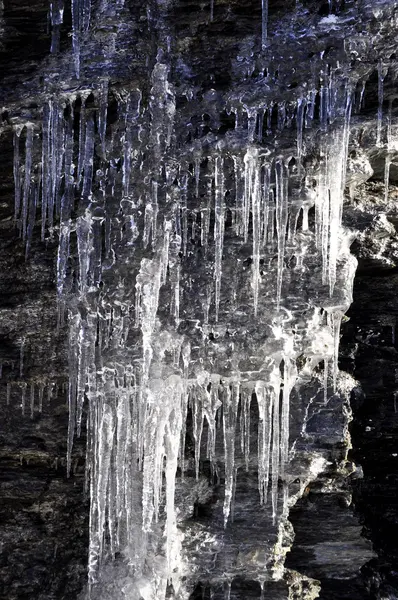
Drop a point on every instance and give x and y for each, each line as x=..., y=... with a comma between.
x=185, y=195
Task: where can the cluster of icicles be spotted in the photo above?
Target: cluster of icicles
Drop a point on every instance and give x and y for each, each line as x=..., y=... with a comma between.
x=81, y=19
x=137, y=408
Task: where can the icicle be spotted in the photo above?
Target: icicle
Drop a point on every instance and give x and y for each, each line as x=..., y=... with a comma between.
x=250, y=160
x=186, y=357
x=300, y=123
x=380, y=94
x=23, y=397
x=31, y=218
x=131, y=116
x=275, y=454
x=62, y=263
x=8, y=393
x=50, y=389
x=325, y=380
x=46, y=163
x=267, y=204
x=197, y=175
x=86, y=10
x=155, y=210
x=175, y=268
x=88, y=160
x=219, y=226
x=264, y=438
x=27, y=181
x=72, y=386
x=56, y=18
x=361, y=96
x=21, y=357
x=281, y=117
x=337, y=185
x=388, y=155
x=251, y=123
x=99, y=484
x=197, y=417
x=102, y=113
x=239, y=196
x=172, y=441
x=32, y=400
x=335, y=319
x=227, y=590
x=324, y=107
x=246, y=398
x=262, y=594
x=281, y=213
x=386, y=176
x=85, y=248
x=289, y=380
x=17, y=173
x=260, y=122
x=86, y=364
x=309, y=114
x=211, y=404
x=230, y=409
x=164, y=259
x=264, y=23
x=256, y=219
x=211, y=10
x=184, y=210
x=82, y=137
x=57, y=149
x=41, y=394
x=77, y=26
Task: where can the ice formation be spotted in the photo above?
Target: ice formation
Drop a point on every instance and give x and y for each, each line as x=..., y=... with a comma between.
x=130, y=209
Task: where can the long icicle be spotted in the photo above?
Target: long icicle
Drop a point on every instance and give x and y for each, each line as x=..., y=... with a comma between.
x=281, y=222
x=219, y=226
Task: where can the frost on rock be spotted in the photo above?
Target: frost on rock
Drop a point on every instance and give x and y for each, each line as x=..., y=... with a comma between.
x=202, y=281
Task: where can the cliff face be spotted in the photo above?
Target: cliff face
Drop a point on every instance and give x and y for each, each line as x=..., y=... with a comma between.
x=186, y=192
